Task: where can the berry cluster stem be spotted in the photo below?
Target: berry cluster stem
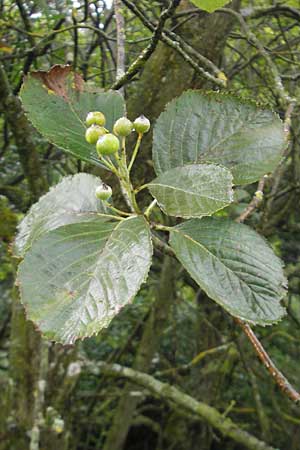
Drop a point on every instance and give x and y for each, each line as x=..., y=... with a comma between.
x=124, y=177
x=135, y=151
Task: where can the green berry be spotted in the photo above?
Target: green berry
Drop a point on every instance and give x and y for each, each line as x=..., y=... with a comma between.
x=93, y=133
x=107, y=144
x=141, y=125
x=103, y=192
x=95, y=118
x=123, y=127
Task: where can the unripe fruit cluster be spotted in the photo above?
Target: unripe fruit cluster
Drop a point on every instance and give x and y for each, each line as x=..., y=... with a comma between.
x=108, y=143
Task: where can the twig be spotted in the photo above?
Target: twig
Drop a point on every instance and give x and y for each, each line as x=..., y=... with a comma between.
x=279, y=378
x=39, y=397
x=255, y=202
x=139, y=63
x=162, y=246
x=185, y=50
x=185, y=368
x=169, y=393
x=120, y=25
x=255, y=13
x=284, y=97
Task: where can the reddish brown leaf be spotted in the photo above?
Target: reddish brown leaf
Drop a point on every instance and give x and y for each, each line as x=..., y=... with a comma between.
x=56, y=79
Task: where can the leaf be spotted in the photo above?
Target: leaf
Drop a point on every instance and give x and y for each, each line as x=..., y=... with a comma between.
x=234, y=266
x=71, y=200
x=5, y=48
x=57, y=102
x=221, y=129
x=210, y=5
x=84, y=273
x=193, y=190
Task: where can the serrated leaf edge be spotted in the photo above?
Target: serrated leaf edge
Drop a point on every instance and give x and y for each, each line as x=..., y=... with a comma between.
x=194, y=216
x=226, y=308
x=81, y=338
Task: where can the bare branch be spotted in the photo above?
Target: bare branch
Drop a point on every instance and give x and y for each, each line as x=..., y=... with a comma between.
x=139, y=63
x=283, y=95
x=169, y=393
x=279, y=378
x=185, y=50
x=120, y=24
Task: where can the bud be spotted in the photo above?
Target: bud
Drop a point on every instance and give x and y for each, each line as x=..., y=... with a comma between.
x=123, y=127
x=58, y=425
x=107, y=144
x=95, y=118
x=259, y=195
x=103, y=192
x=93, y=133
x=141, y=124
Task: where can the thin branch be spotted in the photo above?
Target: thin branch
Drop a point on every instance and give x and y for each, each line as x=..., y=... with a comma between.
x=255, y=202
x=162, y=246
x=255, y=13
x=185, y=50
x=139, y=63
x=185, y=368
x=284, y=97
x=170, y=394
x=279, y=378
x=120, y=24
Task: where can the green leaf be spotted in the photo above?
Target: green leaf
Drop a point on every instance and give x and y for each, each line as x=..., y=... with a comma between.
x=71, y=200
x=57, y=102
x=193, y=190
x=234, y=266
x=75, y=279
x=222, y=129
x=210, y=5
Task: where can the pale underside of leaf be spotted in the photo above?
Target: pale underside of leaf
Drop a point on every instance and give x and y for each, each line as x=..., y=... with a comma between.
x=221, y=129
x=72, y=200
x=234, y=266
x=83, y=275
x=193, y=190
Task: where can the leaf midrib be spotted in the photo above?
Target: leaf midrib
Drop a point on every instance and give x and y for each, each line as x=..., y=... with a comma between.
x=186, y=192
x=213, y=256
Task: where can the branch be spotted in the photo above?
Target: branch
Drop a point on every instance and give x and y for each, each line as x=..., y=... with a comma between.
x=279, y=378
x=120, y=25
x=139, y=63
x=185, y=50
x=255, y=13
x=169, y=393
x=255, y=202
x=284, y=97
